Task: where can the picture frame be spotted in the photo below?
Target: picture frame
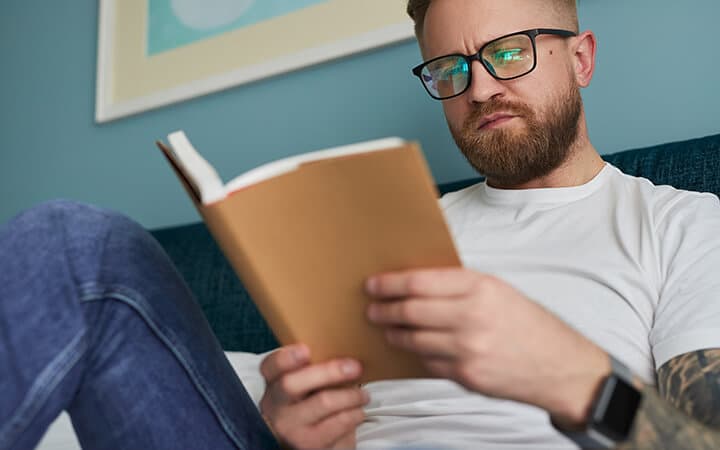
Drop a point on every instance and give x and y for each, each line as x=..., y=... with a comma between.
x=137, y=72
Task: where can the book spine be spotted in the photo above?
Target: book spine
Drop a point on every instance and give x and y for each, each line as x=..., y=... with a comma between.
x=190, y=188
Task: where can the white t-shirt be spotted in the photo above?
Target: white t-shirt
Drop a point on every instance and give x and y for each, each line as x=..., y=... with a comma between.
x=630, y=265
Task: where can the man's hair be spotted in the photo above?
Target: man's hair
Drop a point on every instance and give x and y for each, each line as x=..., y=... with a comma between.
x=565, y=9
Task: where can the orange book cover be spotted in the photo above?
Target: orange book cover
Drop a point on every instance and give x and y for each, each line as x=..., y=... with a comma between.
x=304, y=239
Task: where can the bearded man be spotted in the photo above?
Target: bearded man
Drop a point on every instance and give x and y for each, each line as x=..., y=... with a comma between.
x=581, y=294
x=585, y=313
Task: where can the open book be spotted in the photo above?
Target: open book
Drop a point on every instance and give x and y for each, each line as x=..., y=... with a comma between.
x=304, y=233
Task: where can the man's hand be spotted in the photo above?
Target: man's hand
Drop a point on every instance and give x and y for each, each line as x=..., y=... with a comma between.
x=306, y=405
x=484, y=334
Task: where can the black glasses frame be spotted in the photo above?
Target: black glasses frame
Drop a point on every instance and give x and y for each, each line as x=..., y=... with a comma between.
x=532, y=34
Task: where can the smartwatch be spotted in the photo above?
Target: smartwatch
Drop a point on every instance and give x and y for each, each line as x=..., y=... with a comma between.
x=612, y=413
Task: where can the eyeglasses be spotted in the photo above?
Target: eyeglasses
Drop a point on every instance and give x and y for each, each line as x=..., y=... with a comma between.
x=505, y=58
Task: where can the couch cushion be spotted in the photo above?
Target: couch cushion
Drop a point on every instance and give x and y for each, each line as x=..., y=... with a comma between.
x=692, y=165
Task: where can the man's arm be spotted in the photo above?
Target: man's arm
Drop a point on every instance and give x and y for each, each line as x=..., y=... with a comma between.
x=685, y=412
x=456, y=321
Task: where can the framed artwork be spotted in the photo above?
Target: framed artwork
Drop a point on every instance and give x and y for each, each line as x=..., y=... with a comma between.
x=152, y=53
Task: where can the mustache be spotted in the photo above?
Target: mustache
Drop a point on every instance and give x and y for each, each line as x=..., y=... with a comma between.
x=491, y=107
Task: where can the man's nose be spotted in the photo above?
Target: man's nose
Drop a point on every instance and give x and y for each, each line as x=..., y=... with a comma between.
x=483, y=86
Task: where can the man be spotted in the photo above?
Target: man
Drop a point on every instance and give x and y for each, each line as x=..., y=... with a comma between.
x=567, y=262
x=554, y=236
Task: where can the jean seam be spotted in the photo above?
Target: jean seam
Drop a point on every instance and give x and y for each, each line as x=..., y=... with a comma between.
x=41, y=389
x=125, y=295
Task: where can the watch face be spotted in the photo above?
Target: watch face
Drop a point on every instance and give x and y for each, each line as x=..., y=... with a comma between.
x=619, y=414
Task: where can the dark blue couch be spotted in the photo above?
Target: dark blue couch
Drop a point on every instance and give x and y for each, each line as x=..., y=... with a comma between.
x=692, y=165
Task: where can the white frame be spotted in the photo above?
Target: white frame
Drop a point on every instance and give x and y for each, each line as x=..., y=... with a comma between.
x=106, y=109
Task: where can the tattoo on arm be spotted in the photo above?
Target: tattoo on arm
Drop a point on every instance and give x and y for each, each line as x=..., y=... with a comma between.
x=691, y=382
x=685, y=413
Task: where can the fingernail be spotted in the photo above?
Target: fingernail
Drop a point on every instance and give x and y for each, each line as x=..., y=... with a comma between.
x=366, y=396
x=371, y=285
x=350, y=367
x=299, y=353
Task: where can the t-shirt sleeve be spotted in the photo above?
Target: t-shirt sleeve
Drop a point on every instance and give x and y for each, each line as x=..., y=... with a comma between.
x=687, y=317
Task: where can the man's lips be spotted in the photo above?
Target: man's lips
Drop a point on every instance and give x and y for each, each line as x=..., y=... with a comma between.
x=492, y=120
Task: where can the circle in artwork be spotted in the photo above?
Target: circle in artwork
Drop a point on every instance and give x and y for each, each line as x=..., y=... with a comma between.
x=209, y=14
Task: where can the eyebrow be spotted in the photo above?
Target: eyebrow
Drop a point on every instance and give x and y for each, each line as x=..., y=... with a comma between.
x=476, y=49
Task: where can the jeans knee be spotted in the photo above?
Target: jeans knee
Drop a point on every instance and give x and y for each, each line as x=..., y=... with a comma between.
x=82, y=235
x=68, y=220
x=90, y=249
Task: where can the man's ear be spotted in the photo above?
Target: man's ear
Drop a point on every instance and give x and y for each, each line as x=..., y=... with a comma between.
x=423, y=55
x=583, y=52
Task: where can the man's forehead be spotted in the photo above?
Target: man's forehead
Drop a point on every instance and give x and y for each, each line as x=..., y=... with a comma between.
x=465, y=25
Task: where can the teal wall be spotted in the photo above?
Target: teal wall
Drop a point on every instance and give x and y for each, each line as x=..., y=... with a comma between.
x=656, y=81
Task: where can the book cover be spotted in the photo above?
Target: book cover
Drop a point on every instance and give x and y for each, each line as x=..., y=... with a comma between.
x=304, y=238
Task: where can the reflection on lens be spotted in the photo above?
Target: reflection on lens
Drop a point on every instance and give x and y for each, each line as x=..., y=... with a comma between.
x=446, y=76
x=509, y=57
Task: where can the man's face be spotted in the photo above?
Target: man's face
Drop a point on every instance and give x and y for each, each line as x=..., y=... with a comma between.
x=517, y=130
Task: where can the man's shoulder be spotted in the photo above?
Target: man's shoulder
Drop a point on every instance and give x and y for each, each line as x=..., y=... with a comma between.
x=663, y=201
x=662, y=198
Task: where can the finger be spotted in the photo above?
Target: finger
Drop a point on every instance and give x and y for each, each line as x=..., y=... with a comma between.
x=294, y=422
x=347, y=441
x=325, y=403
x=436, y=313
x=337, y=426
x=294, y=386
x=428, y=344
x=283, y=360
x=447, y=282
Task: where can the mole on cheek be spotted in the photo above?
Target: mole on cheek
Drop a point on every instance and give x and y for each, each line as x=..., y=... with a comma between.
x=551, y=52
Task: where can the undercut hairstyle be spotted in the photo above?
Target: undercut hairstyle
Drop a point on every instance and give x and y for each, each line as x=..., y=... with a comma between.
x=565, y=10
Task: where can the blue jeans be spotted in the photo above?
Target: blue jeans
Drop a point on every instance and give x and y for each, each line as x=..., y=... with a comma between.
x=95, y=320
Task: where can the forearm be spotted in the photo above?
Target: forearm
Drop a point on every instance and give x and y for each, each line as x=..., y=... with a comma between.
x=660, y=425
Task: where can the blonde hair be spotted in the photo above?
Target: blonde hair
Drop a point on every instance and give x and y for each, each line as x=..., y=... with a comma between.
x=565, y=9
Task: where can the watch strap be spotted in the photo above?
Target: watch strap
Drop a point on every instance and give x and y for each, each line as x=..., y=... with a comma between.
x=590, y=437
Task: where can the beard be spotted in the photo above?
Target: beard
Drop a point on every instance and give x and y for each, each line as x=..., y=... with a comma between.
x=511, y=157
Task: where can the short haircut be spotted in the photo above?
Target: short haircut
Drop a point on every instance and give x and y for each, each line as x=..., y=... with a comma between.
x=566, y=10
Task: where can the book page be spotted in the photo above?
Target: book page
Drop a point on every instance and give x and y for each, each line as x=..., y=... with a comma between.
x=275, y=168
x=197, y=170
x=208, y=183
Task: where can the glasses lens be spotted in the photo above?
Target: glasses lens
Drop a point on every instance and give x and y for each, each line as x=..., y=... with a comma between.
x=509, y=57
x=446, y=76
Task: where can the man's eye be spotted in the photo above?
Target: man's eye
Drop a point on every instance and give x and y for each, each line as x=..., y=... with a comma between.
x=450, y=71
x=507, y=56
